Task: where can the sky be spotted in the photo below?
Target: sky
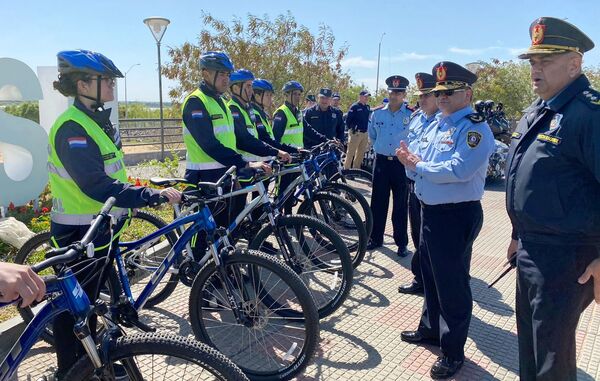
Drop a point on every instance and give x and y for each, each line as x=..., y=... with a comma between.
x=417, y=34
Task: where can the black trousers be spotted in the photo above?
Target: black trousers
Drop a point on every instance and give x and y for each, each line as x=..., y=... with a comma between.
x=449, y=231
x=414, y=216
x=226, y=211
x=549, y=302
x=389, y=175
x=68, y=347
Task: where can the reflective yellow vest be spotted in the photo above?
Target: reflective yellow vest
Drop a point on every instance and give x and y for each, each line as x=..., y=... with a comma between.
x=294, y=130
x=249, y=126
x=222, y=121
x=70, y=206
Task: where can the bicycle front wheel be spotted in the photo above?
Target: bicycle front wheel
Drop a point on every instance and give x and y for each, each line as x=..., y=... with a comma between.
x=267, y=341
x=161, y=356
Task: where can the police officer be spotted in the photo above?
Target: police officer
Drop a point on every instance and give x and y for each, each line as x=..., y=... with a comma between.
x=288, y=125
x=309, y=101
x=85, y=168
x=335, y=101
x=244, y=120
x=420, y=122
x=387, y=128
x=208, y=125
x=357, y=122
x=449, y=178
x=552, y=198
x=324, y=119
x=209, y=133
x=262, y=99
x=289, y=128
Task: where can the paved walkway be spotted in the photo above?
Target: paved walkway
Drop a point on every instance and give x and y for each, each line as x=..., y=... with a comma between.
x=361, y=341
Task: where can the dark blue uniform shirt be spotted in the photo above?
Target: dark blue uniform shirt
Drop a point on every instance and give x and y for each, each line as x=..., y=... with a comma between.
x=553, y=171
x=329, y=123
x=358, y=117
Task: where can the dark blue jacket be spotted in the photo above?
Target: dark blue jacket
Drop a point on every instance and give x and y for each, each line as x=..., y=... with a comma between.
x=358, y=117
x=329, y=123
x=553, y=171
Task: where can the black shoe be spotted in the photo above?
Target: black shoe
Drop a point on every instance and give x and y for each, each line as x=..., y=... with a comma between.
x=445, y=367
x=415, y=337
x=373, y=245
x=411, y=288
x=404, y=252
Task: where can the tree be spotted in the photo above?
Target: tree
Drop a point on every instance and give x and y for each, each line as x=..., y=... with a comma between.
x=278, y=50
x=27, y=110
x=507, y=82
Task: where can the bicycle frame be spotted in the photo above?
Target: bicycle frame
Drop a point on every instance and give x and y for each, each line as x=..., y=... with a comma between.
x=202, y=220
x=64, y=294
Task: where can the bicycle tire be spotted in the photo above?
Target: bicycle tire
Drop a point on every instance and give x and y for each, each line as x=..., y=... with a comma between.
x=336, y=271
x=204, y=318
x=176, y=347
x=356, y=198
x=333, y=210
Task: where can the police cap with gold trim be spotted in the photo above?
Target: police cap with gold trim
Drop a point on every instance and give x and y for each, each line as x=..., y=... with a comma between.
x=550, y=35
x=396, y=82
x=450, y=76
x=425, y=83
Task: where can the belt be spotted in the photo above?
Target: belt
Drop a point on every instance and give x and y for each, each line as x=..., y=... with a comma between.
x=385, y=157
x=457, y=205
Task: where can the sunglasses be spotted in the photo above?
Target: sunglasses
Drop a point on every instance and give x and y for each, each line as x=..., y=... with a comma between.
x=447, y=93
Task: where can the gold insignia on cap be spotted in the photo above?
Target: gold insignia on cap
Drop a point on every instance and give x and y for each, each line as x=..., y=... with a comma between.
x=419, y=82
x=395, y=83
x=537, y=34
x=441, y=73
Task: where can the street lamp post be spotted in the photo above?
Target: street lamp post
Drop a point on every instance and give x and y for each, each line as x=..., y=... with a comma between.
x=125, y=79
x=378, y=57
x=158, y=26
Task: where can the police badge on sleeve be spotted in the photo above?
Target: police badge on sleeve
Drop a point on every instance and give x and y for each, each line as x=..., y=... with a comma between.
x=473, y=138
x=555, y=122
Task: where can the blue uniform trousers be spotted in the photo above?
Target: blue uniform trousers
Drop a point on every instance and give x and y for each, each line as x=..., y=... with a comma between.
x=389, y=175
x=448, y=233
x=549, y=302
x=414, y=216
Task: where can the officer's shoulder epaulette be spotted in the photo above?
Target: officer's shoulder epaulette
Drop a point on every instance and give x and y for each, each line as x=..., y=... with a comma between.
x=475, y=117
x=410, y=108
x=591, y=97
x=415, y=113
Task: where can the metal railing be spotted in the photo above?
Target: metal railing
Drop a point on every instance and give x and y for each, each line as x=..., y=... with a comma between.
x=147, y=132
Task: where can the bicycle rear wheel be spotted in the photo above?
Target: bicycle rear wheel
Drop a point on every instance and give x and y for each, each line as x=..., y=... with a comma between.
x=341, y=216
x=316, y=253
x=269, y=341
x=161, y=356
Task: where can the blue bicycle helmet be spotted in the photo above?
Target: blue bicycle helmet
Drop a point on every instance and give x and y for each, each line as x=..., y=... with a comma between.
x=262, y=85
x=86, y=61
x=291, y=86
x=241, y=75
x=217, y=61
